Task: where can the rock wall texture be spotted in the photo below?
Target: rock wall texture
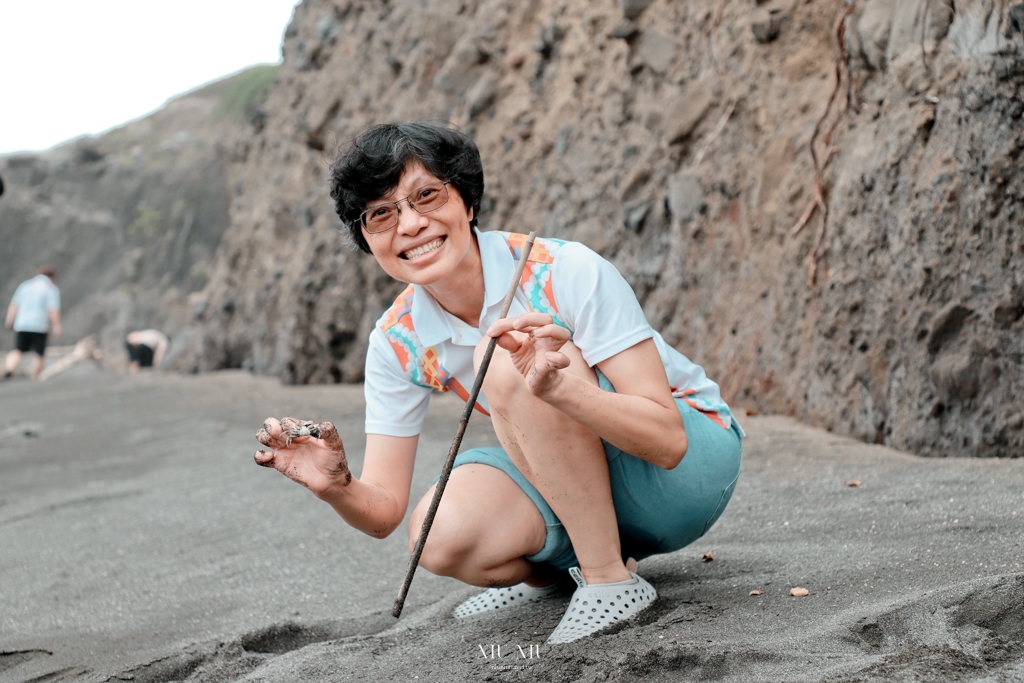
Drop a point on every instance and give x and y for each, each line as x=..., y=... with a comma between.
x=673, y=137
x=130, y=219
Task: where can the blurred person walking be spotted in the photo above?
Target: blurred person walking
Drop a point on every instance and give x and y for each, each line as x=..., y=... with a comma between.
x=145, y=348
x=34, y=311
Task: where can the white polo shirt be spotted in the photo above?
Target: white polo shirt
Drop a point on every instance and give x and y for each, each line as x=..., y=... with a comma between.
x=592, y=300
x=35, y=298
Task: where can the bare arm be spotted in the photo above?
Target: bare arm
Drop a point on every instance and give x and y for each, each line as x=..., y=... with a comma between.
x=12, y=311
x=55, y=323
x=158, y=354
x=640, y=418
x=375, y=503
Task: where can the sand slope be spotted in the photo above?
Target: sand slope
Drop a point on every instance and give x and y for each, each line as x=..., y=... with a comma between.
x=139, y=542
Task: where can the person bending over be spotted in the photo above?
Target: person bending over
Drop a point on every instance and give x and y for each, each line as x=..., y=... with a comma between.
x=613, y=444
x=145, y=348
x=34, y=311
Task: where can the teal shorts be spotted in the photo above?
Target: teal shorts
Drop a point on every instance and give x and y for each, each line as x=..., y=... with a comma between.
x=658, y=510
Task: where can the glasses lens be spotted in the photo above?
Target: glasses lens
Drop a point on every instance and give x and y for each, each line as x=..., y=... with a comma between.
x=385, y=216
x=429, y=197
x=380, y=218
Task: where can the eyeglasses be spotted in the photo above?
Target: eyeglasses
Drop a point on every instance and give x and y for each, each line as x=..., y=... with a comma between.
x=384, y=216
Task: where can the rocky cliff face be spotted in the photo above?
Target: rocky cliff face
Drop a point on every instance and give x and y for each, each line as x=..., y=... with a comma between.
x=130, y=219
x=674, y=139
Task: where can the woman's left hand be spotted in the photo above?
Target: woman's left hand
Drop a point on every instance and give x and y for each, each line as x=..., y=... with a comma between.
x=533, y=341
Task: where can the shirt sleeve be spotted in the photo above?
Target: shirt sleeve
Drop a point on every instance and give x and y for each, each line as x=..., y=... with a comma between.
x=597, y=304
x=53, y=300
x=394, y=405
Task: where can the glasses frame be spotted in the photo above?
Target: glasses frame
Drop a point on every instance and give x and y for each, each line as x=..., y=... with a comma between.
x=398, y=208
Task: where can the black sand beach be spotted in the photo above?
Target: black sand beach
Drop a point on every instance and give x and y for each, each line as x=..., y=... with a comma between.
x=138, y=541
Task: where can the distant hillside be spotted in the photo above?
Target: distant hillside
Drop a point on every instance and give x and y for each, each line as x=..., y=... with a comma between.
x=131, y=219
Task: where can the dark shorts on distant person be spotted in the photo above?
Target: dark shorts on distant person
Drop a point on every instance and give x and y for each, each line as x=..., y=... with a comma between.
x=658, y=510
x=30, y=341
x=141, y=354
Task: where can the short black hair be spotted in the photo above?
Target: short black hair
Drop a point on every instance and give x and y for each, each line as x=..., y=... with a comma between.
x=370, y=166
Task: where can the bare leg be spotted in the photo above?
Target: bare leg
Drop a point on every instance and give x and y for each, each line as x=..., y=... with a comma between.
x=12, y=361
x=37, y=366
x=562, y=459
x=484, y=526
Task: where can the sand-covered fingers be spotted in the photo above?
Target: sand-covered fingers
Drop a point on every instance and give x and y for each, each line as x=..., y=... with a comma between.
x=264, y=458
x=309, y=454
x=330, y=437
x=269, y=433
x=280, y=433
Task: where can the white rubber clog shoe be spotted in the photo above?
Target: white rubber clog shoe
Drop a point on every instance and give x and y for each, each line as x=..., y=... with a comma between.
x=494, y=599
x=595, y=608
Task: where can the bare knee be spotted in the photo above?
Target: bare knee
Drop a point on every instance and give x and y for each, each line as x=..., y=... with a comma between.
x=448, y=546
x=446, y=552
x=503, y=384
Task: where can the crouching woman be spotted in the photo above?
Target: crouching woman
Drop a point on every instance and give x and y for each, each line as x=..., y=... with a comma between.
x=613, y=444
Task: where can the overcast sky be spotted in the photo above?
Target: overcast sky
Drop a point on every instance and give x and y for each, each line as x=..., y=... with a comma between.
x=71, y=67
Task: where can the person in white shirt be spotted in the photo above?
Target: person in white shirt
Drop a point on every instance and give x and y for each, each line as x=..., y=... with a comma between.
x=593, y=410
x=33, y=313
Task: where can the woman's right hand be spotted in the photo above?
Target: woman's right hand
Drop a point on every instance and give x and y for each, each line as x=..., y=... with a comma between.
x=319, y=464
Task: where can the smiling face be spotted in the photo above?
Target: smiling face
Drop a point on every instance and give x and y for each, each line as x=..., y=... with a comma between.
x=424, y=248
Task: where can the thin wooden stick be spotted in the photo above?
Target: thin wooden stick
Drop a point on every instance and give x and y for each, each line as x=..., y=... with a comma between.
x=446, y=471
